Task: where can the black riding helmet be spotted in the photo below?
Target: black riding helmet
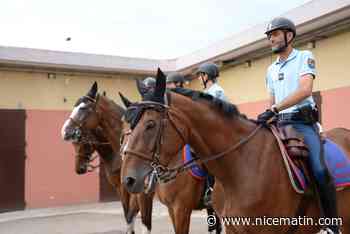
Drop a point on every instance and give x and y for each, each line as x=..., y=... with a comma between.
x=149, y=82
x=211, y=69
x=281, y=23
x=175, y=77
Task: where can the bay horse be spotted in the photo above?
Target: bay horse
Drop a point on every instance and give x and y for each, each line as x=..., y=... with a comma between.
x=181, y=195
x=95, y=125
x=244, y=158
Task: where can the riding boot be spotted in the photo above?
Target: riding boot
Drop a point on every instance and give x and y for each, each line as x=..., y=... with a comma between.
x=328, y=202
x=209, y=185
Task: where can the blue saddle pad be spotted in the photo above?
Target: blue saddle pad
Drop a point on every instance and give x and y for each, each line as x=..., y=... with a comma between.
x=337, y=163
x=196, y=171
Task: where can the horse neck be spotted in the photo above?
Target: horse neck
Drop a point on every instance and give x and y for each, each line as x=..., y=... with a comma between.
x=212, y=133
x=105, y=151
x=110, y=121
x=208, y=131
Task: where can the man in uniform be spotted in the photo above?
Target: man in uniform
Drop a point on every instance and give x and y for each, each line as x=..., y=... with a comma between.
x=289, y=81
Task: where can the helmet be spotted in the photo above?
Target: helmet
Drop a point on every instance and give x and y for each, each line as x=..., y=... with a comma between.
x=281, y=23
x=149, y=82
x=175, y=77
x=211, y=69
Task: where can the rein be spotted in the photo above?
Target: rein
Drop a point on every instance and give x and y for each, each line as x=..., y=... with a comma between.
x=164, y=173
x=84, y=136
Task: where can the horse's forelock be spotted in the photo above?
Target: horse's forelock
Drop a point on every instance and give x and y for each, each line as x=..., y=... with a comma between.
x=82, y=99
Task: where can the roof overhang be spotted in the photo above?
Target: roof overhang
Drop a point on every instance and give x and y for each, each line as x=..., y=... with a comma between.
x=314, y=20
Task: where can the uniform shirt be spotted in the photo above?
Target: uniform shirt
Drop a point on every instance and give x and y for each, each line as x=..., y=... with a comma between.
x=216, y=91
x=283, y=77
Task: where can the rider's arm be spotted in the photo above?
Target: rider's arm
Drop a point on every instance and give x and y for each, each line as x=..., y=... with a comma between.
x=304, y=91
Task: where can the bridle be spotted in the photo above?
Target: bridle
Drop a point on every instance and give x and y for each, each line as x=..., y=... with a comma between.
x=164, y=173
x=85, y=136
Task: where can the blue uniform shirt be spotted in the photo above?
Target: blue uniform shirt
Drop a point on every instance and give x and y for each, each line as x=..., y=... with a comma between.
x=283, y=77
x=216, y=91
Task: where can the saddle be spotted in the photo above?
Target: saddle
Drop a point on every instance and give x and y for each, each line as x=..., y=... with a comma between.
x=294, y=153
x=293, y=142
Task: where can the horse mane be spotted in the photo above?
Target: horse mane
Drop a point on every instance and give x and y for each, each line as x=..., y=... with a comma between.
x=228, y=109
x=120, y=110
x=115, y=106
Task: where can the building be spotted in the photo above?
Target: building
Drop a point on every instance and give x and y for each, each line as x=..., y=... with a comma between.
x=38, y=89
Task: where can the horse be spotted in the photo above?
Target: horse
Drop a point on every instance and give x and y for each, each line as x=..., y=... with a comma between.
x=181, y=195
x=95, y=125
x=244, y=158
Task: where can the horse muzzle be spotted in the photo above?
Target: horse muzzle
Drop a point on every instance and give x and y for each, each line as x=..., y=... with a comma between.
x=134, y=181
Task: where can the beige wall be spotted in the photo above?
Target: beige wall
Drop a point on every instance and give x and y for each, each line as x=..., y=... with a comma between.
x=33, y=90
x=242, y=84
x=247, y=84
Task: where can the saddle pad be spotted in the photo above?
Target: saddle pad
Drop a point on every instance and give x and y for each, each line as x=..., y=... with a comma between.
x=337, y=163
x=196, y=171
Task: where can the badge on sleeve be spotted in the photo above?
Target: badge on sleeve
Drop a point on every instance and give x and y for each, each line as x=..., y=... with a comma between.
x=311, y=63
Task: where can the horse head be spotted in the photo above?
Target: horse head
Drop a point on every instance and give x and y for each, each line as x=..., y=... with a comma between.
x=150, y=127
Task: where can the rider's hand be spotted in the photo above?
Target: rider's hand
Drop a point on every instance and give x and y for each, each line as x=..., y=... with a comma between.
x=264, y=117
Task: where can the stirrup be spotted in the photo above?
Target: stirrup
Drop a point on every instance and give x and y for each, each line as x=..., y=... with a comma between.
x=209, y=189
x=207, y=197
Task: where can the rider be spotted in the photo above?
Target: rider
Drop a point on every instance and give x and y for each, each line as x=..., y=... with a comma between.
x=208, y=73
x=150, y=85
x=175, y=80
x=289, y=81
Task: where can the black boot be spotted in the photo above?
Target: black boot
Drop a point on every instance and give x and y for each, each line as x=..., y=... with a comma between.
x=328, y=202
x=209, y=185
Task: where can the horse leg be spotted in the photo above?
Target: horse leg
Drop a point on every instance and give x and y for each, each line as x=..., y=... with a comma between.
x=182, y=219
x=129, y=202
x=124, y=199
x=133, y=209
x=172, y=216
x=217, y=226
x=146, y=205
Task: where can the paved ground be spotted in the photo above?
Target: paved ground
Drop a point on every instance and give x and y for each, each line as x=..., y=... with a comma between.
x=102, y=218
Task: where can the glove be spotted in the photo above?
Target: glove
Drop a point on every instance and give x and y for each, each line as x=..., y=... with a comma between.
x=266, y=116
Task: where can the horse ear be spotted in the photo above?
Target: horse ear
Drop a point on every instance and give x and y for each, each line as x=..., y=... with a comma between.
x=93, y=91
x=125, y=101
x=141, y=87
x=160, y=86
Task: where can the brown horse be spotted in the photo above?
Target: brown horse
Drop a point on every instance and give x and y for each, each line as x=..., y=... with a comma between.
x=181, y=195
x=95, y=124
x=244, y=158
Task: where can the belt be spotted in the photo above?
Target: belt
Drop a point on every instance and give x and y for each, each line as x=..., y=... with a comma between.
x=290, y=116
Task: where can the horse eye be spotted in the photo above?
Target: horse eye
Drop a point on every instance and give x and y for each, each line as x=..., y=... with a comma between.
x=77, y=134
